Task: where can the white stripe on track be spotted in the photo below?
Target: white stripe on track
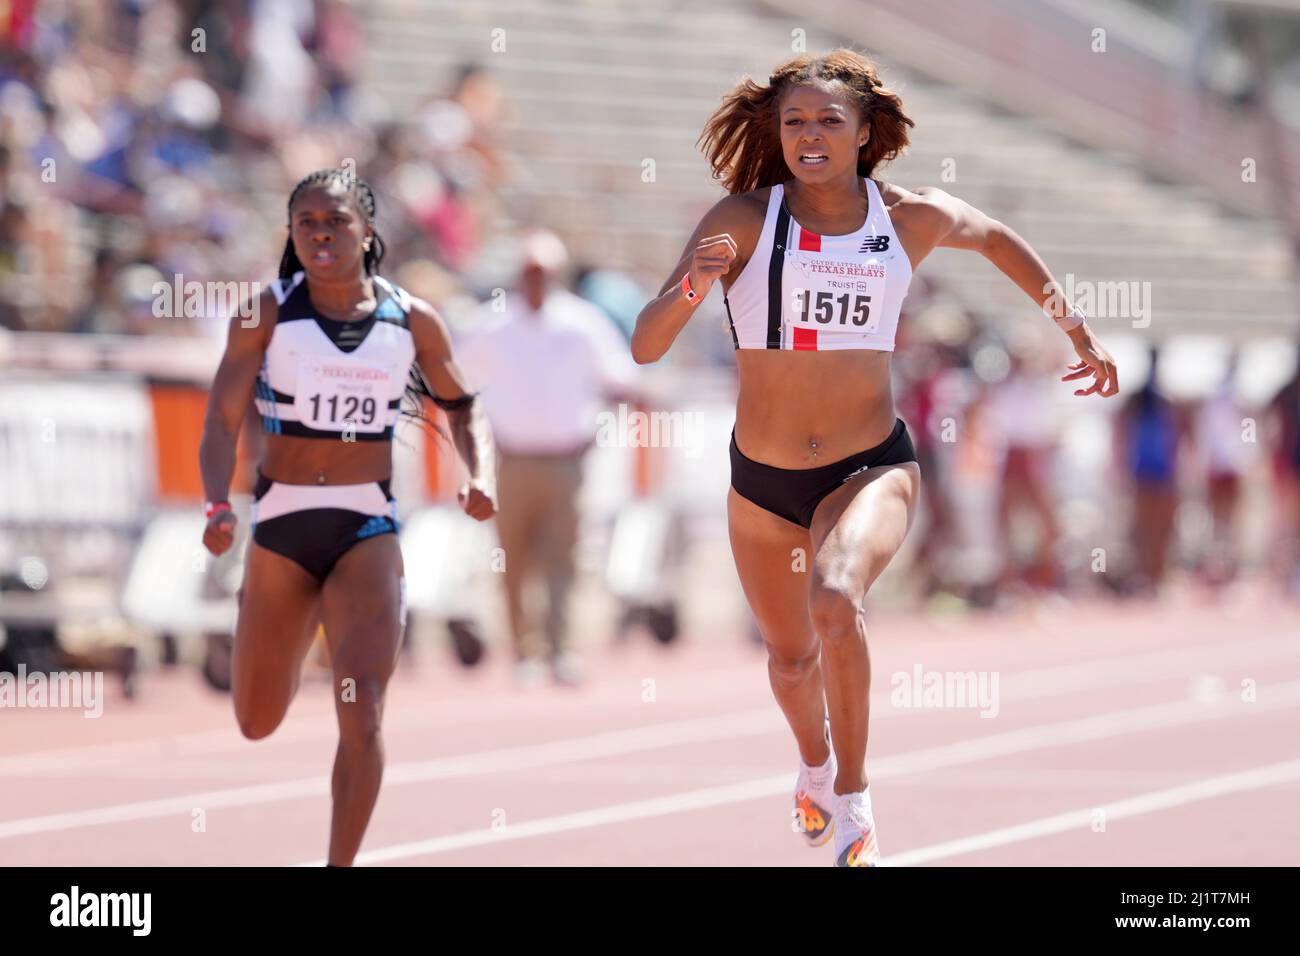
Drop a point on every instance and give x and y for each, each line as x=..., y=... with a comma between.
x=1081, y=820
x=1098, y=727
x=1138, y=668
x=618, y=813
x=613, y=743
x=697, y=730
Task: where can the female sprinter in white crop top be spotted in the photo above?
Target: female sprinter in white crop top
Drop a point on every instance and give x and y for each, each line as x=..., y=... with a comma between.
x=815, y=257
x=331, y=352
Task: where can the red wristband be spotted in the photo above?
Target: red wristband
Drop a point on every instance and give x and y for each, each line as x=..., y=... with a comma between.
x=687, y=292
x=212, y=507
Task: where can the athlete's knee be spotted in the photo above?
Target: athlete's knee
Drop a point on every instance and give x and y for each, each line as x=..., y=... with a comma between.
x=259, y=707
x=835, y=610
x=792, y=668
x=255, y=725
x=360, y=711
x=360, y=735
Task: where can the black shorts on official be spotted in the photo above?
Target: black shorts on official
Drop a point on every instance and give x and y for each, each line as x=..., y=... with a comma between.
x=315, y=525
x=795, y=493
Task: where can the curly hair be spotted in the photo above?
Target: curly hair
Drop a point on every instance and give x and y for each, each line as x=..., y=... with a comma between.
x=743, y=142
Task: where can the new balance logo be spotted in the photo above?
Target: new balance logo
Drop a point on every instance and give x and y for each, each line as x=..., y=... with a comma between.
x=854, y=474
x=875, y=244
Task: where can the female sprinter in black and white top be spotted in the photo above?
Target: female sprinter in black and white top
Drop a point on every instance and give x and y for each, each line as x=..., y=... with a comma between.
x=328, y=358
x=815, y=257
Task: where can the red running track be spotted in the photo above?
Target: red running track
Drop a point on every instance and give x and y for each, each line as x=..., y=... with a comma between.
x=1123, y=735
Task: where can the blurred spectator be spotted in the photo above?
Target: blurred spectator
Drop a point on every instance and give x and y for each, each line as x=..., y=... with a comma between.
x=975, y=465
x=616, y=293
x=339, y=48
x=15, y=267
x=1148, y=437
x=483, y=111
x=1225, y=454
x=1025, y=411
x=460, y=133
x=543, y=363
x=282, y=81
x=1284, y=414
x=925, y=368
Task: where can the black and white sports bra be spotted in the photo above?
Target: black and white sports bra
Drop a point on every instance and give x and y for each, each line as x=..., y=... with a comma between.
x=802, y=290
x=321, y=378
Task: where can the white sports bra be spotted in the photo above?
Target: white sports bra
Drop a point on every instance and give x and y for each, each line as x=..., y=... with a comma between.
x=805, y=291
x=322, y=378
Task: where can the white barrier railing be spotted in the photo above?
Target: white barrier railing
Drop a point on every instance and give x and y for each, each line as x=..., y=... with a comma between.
x=74, y=450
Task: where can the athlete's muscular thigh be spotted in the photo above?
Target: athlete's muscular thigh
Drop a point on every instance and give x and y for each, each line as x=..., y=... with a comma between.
x=278, y=612
x=773, y=559
x=859, y=527
x=361, y=608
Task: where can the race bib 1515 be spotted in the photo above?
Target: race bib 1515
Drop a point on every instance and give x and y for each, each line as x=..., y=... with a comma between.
x=833, y=295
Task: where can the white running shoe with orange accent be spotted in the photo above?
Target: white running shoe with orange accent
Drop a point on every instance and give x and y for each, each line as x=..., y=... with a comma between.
x=855, y=830
x=812, y=800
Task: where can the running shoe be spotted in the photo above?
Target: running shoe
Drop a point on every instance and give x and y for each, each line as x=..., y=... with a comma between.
x=812, y=799
x=530, y=673
x=566, y=669
x=855, y=830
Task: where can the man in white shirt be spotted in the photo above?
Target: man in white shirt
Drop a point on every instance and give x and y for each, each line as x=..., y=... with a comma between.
x=546, y=361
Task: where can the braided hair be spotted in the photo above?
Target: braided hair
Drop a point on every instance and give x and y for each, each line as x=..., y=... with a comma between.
x=364, y=197
x=417, y=386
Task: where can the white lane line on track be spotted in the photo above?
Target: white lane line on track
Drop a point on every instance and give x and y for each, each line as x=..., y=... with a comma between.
x=698, y=730
x=1047, y=780
x=616, y=743
x=1138, y=668
x=613, y=743
x=599, y=816
x=1028, y=739
x=1081, y=820
x=300, y=727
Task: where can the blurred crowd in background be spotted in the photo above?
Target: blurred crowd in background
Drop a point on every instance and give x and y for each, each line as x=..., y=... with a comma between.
x=1023, y=480
x=142, y=140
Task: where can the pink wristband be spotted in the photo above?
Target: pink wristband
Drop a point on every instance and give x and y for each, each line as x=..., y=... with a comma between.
x=689, y=294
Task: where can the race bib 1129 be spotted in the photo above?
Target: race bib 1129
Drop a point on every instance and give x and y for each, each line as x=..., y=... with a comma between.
x=333, y=394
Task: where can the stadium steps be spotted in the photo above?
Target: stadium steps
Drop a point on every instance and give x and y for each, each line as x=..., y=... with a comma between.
x=598, y=86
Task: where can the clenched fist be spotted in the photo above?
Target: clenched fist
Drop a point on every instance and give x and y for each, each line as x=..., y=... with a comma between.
x=219, y=534
x=478, y=499
x=713, y=258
